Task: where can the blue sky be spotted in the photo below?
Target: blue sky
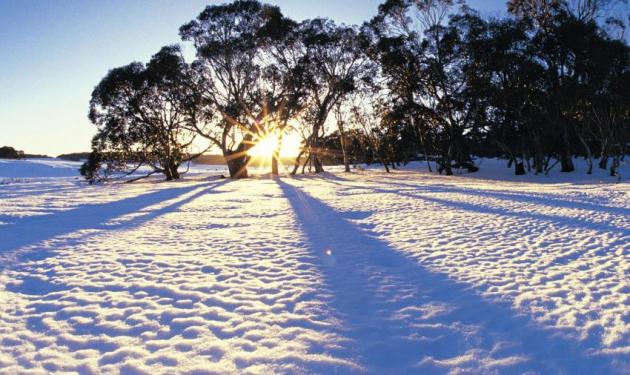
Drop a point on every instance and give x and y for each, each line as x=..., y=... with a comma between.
x=53, y=53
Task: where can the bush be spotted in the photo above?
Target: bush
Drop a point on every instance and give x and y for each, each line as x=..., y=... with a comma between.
x=8, y=152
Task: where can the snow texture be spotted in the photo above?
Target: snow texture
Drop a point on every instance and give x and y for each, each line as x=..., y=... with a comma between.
x=340, y=273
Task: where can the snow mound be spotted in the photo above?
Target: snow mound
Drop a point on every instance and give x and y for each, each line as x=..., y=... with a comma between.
x=38, y=168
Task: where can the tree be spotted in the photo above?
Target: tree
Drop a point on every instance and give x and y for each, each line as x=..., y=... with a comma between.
x=284, y=75
x=501, y=72
x=543, y=11
x=605, y=77
x=230, y=40
x=442, y=85
x=421, y=59
x=144, y=114
x=331, y=62
x=341, y=118
x=8, y=152
x=368, y=112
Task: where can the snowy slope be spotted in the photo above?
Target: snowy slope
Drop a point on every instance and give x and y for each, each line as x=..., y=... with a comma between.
x=38, y=168
x=340, y=273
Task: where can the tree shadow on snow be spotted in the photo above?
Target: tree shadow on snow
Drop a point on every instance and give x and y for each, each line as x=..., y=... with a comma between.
x=402, y=318
x=44, y=290
x=32, y=231
x=514, y=196
x=416, y=192
x=562, y=221
x=20, y=190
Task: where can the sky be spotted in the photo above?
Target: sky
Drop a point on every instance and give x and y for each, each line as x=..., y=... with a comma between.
x=53, y=53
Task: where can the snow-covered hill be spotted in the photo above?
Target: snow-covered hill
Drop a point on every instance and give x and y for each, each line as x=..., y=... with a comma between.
x=38, y=168
x=338, y=273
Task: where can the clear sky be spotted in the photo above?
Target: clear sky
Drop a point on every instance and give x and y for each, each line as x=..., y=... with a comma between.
x=53, y=53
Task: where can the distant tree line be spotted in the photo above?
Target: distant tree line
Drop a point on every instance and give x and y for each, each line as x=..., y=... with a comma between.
x=423, y=79
x=74, y=156
x=8, y=152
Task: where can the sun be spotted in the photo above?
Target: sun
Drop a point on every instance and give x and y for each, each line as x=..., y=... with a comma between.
x=265, y=147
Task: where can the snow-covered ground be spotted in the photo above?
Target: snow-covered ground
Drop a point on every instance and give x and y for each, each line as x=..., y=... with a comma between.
x=37, y=168
x=339, y=273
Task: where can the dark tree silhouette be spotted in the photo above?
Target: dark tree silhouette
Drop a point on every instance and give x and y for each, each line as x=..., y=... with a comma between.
x=144, y=115
x=230, y=42
x=424, y=79
x=8, y=152
x=329, y=62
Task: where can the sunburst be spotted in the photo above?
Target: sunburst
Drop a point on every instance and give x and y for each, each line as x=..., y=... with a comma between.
x=265, y=147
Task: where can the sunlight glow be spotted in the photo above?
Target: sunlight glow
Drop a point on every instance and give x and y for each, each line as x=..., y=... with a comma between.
x=265, y=147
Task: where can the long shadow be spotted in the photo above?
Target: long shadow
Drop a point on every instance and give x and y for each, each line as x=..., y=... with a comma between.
x=402, y=318
x=96, y=216
x=31, y=231
x=525, y=198
x=29, y=189
x=576, y=222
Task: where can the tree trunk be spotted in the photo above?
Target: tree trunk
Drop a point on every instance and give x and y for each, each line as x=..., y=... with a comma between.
x=384, y=164
x=344, y=144
x=313, y=146
x=314, y=154
x=447, y=162
x=317, y=163
x=175, y=172
x=539, y=157
x=423, y=143
x=237, y=160
x=566, y=162
x=238, y=167
x=171, y=170
x=566, y=159
x=296, y=166
x=168, y=175
x=603, y=160
x=615, y=165
x=589, y=154
x=276, y=156
x=343, y=140
x=306, y=162
x=525, y=156
x=519, y=168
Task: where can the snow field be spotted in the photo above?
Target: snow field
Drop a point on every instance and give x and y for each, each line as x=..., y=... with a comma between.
x=343, y=273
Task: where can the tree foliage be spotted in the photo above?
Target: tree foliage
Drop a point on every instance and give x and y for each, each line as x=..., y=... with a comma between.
x=145, y=115
x=8, y=152
x=423, y=79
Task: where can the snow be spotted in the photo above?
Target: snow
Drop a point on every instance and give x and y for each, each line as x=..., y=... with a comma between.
x=340, y=273
x=38, y=168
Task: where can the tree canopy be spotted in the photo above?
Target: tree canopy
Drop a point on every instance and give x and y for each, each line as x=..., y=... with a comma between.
x=424, y=80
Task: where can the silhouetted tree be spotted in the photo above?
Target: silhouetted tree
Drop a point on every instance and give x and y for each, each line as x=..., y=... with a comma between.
x=144, y=115
x=8, y=152
x=422, y=79
x=231, y=42
x=422, y=59
x=331, y=62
